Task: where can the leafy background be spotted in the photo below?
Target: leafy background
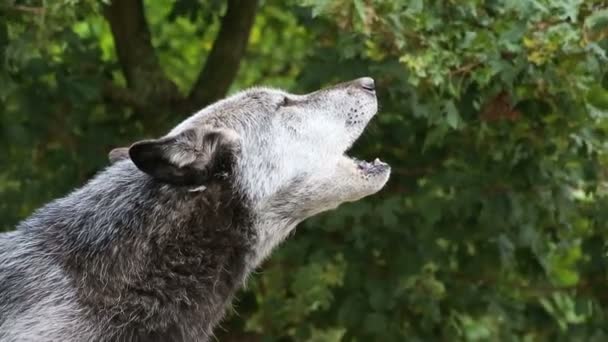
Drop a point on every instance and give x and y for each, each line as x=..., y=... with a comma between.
x=493, y=116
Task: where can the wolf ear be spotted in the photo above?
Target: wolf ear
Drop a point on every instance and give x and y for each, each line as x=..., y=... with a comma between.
x=191, y=157
x=118, y=154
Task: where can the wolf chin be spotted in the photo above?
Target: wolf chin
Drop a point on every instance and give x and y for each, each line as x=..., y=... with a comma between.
x=154, y=247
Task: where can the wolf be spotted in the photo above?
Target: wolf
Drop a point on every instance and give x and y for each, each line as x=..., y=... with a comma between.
x=154, y=247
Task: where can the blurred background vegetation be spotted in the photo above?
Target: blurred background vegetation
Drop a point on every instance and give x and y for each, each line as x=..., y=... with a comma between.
x=492, y=114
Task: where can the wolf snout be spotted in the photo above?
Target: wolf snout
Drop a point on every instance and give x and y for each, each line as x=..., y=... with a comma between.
x=367, y=83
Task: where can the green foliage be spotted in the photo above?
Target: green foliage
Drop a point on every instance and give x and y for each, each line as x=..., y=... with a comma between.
x=493, y=116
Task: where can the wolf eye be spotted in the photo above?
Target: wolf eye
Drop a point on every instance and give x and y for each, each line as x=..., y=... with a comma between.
x=285, y=102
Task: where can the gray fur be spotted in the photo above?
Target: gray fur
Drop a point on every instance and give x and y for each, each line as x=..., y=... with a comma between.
x=154, y=247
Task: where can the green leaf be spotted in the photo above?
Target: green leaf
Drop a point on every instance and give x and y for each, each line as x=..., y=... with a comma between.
x=452, y=116
x=598, y=20
x=598, y=97
x=360, y=7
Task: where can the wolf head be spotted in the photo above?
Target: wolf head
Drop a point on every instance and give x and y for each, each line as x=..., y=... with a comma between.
x=284, y=153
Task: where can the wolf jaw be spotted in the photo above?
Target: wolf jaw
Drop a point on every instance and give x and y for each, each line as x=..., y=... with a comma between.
x=377, y=167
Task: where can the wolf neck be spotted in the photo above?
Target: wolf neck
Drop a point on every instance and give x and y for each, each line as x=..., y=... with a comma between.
x=146, y=255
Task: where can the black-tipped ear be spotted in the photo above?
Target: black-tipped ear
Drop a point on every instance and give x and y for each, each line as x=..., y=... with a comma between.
x=118, y=154
x=191, y=157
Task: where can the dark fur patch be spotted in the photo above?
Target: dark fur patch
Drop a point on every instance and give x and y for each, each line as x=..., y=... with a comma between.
x=149, y=261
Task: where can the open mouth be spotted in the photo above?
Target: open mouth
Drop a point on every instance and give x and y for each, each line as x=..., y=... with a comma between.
x=373, y=168
x=377, y=167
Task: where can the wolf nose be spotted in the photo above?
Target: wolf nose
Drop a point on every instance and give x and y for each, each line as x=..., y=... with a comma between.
x=366, y=83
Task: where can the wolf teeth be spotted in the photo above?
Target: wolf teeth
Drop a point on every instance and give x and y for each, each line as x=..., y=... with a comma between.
x=362, y=164
x=379, y=162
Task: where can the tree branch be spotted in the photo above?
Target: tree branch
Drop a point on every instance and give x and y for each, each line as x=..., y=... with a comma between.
x=122, y=96
x=135, y=52
x=223, y=61
x=25, y=9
